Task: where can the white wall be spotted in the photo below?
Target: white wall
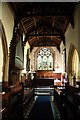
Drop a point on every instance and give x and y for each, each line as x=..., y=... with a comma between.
x=27, y=46
x=71, y=35
x=79, y=29
x=7, y=21
x=79, y=36
x=1, y=53
x=0, y=10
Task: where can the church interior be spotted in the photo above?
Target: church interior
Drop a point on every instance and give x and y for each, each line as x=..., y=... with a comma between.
x=40, y=60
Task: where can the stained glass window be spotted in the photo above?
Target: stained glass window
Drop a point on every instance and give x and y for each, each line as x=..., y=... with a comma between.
x=44, y=59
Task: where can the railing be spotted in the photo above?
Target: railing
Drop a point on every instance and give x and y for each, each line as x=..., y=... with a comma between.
x=43, y=90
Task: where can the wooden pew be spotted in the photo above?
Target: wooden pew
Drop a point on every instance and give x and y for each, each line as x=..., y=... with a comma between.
x=72, y=102
x=27, y=99
x=59, y=100
x=4, y=108
x=16, y=102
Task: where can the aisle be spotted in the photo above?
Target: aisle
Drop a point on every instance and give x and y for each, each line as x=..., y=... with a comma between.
x=41, y=109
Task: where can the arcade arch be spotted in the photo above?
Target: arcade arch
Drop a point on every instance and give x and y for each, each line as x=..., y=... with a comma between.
x=73, y=63
x=4, y=56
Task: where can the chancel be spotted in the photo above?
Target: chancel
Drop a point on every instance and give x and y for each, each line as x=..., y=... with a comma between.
x=40, y=61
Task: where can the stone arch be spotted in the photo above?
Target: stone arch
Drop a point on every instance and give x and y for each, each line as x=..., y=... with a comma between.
x=5, y=55
x=73, y=61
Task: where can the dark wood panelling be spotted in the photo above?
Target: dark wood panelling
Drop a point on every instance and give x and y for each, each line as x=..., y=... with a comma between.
x=47, y=74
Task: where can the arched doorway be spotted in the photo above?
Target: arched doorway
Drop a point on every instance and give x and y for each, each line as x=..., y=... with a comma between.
x=73, y=63
x=4, y=56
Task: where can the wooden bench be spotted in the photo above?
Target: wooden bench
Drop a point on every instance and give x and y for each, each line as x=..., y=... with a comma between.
x=4, y=100
x=72, y=102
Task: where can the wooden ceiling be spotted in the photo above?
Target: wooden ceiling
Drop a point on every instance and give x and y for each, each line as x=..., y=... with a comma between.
x=44, y=23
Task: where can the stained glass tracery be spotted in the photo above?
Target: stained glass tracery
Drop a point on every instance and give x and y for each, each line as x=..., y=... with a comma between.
x=44, y=59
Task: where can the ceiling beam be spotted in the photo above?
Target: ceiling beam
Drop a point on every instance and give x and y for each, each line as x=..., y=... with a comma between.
x=34, y=21
x=33, y=35
x=19, y=16
x=38, y=45
x=29, y=36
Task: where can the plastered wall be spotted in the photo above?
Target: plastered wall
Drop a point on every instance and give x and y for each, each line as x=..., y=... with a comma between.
x=27, y=46
x=79, y=36
x=72, y=36
x=7, y=20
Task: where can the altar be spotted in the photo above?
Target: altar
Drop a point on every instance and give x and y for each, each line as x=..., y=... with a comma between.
x=43, y=82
